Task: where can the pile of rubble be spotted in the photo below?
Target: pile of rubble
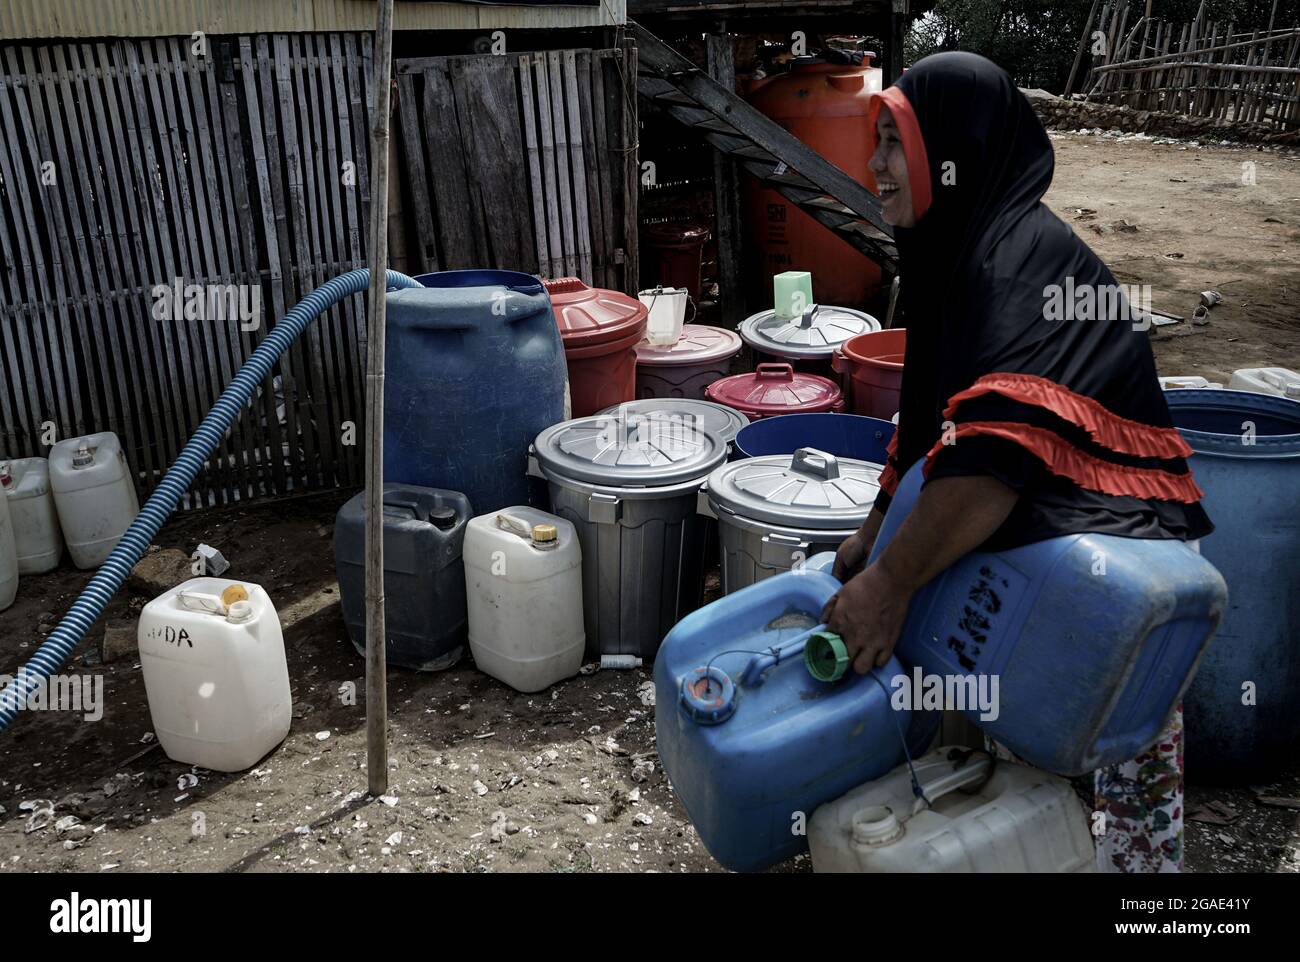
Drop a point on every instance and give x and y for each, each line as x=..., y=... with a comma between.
x=1065, y=114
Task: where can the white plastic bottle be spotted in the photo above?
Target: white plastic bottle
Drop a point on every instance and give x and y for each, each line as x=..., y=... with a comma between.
x=1019, y=819
x=8, y=558
x=26, y=485
x=94, y=494
x=215, y=673
x=523, y=578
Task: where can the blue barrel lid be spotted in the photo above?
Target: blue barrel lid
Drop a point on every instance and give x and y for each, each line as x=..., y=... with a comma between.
x=1239, y=424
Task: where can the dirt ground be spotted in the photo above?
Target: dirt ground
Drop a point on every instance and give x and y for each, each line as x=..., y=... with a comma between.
x=486, y=779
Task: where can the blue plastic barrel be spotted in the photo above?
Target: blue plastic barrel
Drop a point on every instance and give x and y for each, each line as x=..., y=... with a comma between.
x=1243, y=710
x=475, y=371
x=1092, y=638
x=843, y=435
x=750, y=740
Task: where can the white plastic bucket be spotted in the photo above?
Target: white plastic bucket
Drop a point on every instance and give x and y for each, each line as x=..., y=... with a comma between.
x=667, y=306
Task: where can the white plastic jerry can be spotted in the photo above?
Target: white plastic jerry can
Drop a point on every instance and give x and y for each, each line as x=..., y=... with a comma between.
x=1267, y=380
x=8, y=558
x=94, y=494
x=26, y=485
x=1176, y=382
x=523, y=579
x=1005, y=818
x=215, y=673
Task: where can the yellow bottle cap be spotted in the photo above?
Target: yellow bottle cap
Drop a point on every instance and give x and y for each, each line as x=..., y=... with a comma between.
x=232, y=594
x=544, y=533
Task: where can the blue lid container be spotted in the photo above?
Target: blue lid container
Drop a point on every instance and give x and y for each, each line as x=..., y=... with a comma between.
x=751, y=742
x=1247, y=460
x=1092, y=638
x=843, y=435
x=475, y=371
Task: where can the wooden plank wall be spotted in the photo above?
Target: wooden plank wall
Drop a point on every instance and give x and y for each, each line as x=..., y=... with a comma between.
x=521, y=161
x=127, y=165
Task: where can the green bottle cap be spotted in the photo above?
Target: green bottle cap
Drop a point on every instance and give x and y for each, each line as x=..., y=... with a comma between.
x=825, y=656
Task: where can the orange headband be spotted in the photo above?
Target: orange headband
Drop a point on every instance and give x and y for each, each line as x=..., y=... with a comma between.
x=909, y=131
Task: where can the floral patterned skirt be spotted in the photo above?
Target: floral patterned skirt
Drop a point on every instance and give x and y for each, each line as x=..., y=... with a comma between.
x=1137, y=821
x=1140, y=826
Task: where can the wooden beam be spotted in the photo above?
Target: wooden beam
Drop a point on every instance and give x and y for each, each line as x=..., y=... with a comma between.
x=726, y=195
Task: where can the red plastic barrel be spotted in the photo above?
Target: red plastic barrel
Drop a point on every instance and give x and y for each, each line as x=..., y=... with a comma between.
x=775, y=389
x=827, y=107
x=677, y=255
x=873, y=363
x=600, y=330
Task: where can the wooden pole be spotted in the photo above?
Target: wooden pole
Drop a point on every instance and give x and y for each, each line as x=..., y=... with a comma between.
x=376, y=660
x=1083, y=45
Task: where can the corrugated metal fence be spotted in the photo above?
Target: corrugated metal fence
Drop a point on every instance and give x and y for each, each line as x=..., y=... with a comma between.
x=161, y=209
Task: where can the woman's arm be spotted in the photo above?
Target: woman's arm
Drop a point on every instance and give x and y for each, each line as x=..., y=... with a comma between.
x=856, y=548
x=952, y=517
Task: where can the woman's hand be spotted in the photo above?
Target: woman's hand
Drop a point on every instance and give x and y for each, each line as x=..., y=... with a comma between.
x=868, y=613
x=856, y=548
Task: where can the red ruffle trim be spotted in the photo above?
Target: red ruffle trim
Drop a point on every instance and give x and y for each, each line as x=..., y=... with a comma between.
x=1089, y=472
x=1105, y=427
x=889, y=477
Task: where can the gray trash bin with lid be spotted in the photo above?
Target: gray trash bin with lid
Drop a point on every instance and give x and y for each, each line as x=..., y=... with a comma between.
x=776, y=511
x=630, y=485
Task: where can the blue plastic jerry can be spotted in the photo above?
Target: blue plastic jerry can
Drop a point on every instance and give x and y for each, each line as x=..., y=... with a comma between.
x=751, y=742
x=1090, y=639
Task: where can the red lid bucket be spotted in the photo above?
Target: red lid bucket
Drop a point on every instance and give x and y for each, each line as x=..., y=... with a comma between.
x=775, y=389
x=873, y=363
x=600, y=330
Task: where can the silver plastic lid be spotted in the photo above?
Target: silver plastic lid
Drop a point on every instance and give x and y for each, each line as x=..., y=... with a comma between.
x=813, y=335
x=809, y=488
x=719, y=418
x=640, y=451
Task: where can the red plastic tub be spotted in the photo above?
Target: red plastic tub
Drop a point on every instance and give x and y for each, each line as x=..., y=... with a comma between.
x=775, y=389
x=600, y=330
x=873, y=368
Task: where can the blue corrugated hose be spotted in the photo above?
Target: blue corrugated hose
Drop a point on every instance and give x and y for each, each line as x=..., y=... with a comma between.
x=108, y=579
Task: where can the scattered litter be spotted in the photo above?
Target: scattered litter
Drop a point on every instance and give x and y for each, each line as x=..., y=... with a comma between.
x=186, y=781
x=1211, y=298
x=261, y=772
x=394, y=839
x=321, y=736
x=214, y=562
x=65, y=823
x=147, y=737
x=590, y=668
x=1201, y=316
x=485, y=735
x=646, y=692
x=302, y=830
x=641, y=818
x=1175, y=255
x=479, y=788
x=1277, y=801
x=181, y=797
x=389, y=800
x=590, y=818
x=642, y=769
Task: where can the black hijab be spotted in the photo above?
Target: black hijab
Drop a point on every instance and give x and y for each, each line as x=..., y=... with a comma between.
x=1024, y=359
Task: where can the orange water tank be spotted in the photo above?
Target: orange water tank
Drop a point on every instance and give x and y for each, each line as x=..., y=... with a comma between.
x=825, y=106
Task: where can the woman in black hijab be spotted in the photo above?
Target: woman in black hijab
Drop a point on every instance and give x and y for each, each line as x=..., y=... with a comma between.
x=1029, y=388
